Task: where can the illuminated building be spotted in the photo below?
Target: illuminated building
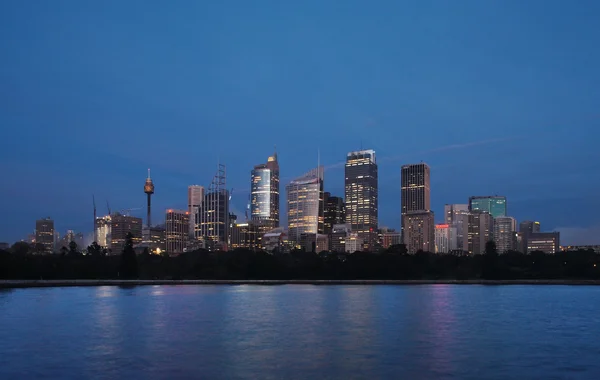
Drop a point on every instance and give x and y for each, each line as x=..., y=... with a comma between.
x=505, y=234
x=457, y=216
x=103, y=231
x=415, y=193
x=445, y=238
x=264, y=195
x=275, y=241
x=244, y=235
x=44, y=233
x=213, y=217
x=419, y=232
x=547, y=242
x=307, y=242
x=339, y=234
x=495, y=205
x=154, y=238
x=305, y=205
x=195, y=198
x=177, y=230
x=149, y=190
x=389, y=237
x=526, y=228
x=334, y=213
x=361, y=193
x=480, y=231
x=354, y=243
x=119, y=227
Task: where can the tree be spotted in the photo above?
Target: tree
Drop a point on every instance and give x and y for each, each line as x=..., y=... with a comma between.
x=95, y=249
x=129, y=264
x=73, y=248
x=489, y=270
x=64, y=251
x=20, y=248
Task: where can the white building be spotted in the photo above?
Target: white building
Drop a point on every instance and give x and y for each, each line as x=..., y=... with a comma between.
x=505, y=234
x=445, y=238
x=353, y=243
x=195, y=199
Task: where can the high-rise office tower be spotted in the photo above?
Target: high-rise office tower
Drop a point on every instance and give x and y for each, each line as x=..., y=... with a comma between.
x=44, y=233
x=120, y=225
x=415, y=191
x=526, y=228
x=177, y=226
x=452, y=211
x=457, y=215
x=480, y=231
x=445, y=238
x=103, y=231
x=213, y=218
x=495, y=205
x=335, y=212
x=195, y=199
x=419, y=234
x=505, y=233
x=361, y=193
x=264, y=195
x=305, y=205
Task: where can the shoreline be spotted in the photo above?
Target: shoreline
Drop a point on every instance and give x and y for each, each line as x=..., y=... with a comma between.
x=8, y=284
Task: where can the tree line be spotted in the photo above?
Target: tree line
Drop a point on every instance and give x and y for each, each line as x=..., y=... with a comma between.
x=242, y=264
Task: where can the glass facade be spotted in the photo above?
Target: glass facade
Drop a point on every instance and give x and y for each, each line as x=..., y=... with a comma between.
x=305, y=205
x=415, y=191
x=264, y=206
x=361, y=192
x=494, y=205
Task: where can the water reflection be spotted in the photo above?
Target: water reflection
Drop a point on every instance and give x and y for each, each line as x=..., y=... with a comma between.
x=412, y=332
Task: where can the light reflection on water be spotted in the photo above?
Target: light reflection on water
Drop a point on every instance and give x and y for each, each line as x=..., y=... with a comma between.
x=301, y=331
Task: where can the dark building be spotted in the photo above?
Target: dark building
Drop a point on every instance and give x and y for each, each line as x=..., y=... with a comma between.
x=361, y=192
x=335, y=212
x=120, y=226
x=264, y=195
x=526, y=228
x=44, y=233
x=547, y=242
x=415, y=191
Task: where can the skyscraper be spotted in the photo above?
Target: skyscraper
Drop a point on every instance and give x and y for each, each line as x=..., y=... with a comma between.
x=44, y=233
x=177, y=223
x=305, y=205
x=264, y=195
x=195, y=199
x=457, y=215
x=415, y=191
x=495, y=205
x=213, y=217
x=526, y=229
x=419, y=231
x=416, y=200
x=149, y=190
x=120, y=225
x=505, y=234
x=481, y=230
x=361, y=193
x=335, y=212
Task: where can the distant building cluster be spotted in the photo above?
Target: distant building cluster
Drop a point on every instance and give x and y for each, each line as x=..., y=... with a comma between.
x=316, y=220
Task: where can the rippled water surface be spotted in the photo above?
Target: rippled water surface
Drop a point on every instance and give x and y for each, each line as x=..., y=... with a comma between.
x=301, y=332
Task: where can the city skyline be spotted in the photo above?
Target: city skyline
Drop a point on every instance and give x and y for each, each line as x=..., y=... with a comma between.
x=509, y=110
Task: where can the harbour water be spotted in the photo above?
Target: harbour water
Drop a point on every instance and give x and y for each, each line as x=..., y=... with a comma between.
x=301, y=332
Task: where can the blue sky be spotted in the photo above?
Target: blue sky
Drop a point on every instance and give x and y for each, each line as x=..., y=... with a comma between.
x=498, y=97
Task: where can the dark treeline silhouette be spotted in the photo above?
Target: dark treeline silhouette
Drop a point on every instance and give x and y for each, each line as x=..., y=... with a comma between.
x=241, y=264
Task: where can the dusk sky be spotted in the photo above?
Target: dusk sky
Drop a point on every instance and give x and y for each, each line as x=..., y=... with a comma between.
x=498, y=97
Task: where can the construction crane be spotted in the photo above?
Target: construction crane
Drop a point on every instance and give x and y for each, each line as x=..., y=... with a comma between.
x=108, y=207
x=95, y=232
x=230, y=194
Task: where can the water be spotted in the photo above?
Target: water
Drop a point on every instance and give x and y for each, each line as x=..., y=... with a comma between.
x=301, y=332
